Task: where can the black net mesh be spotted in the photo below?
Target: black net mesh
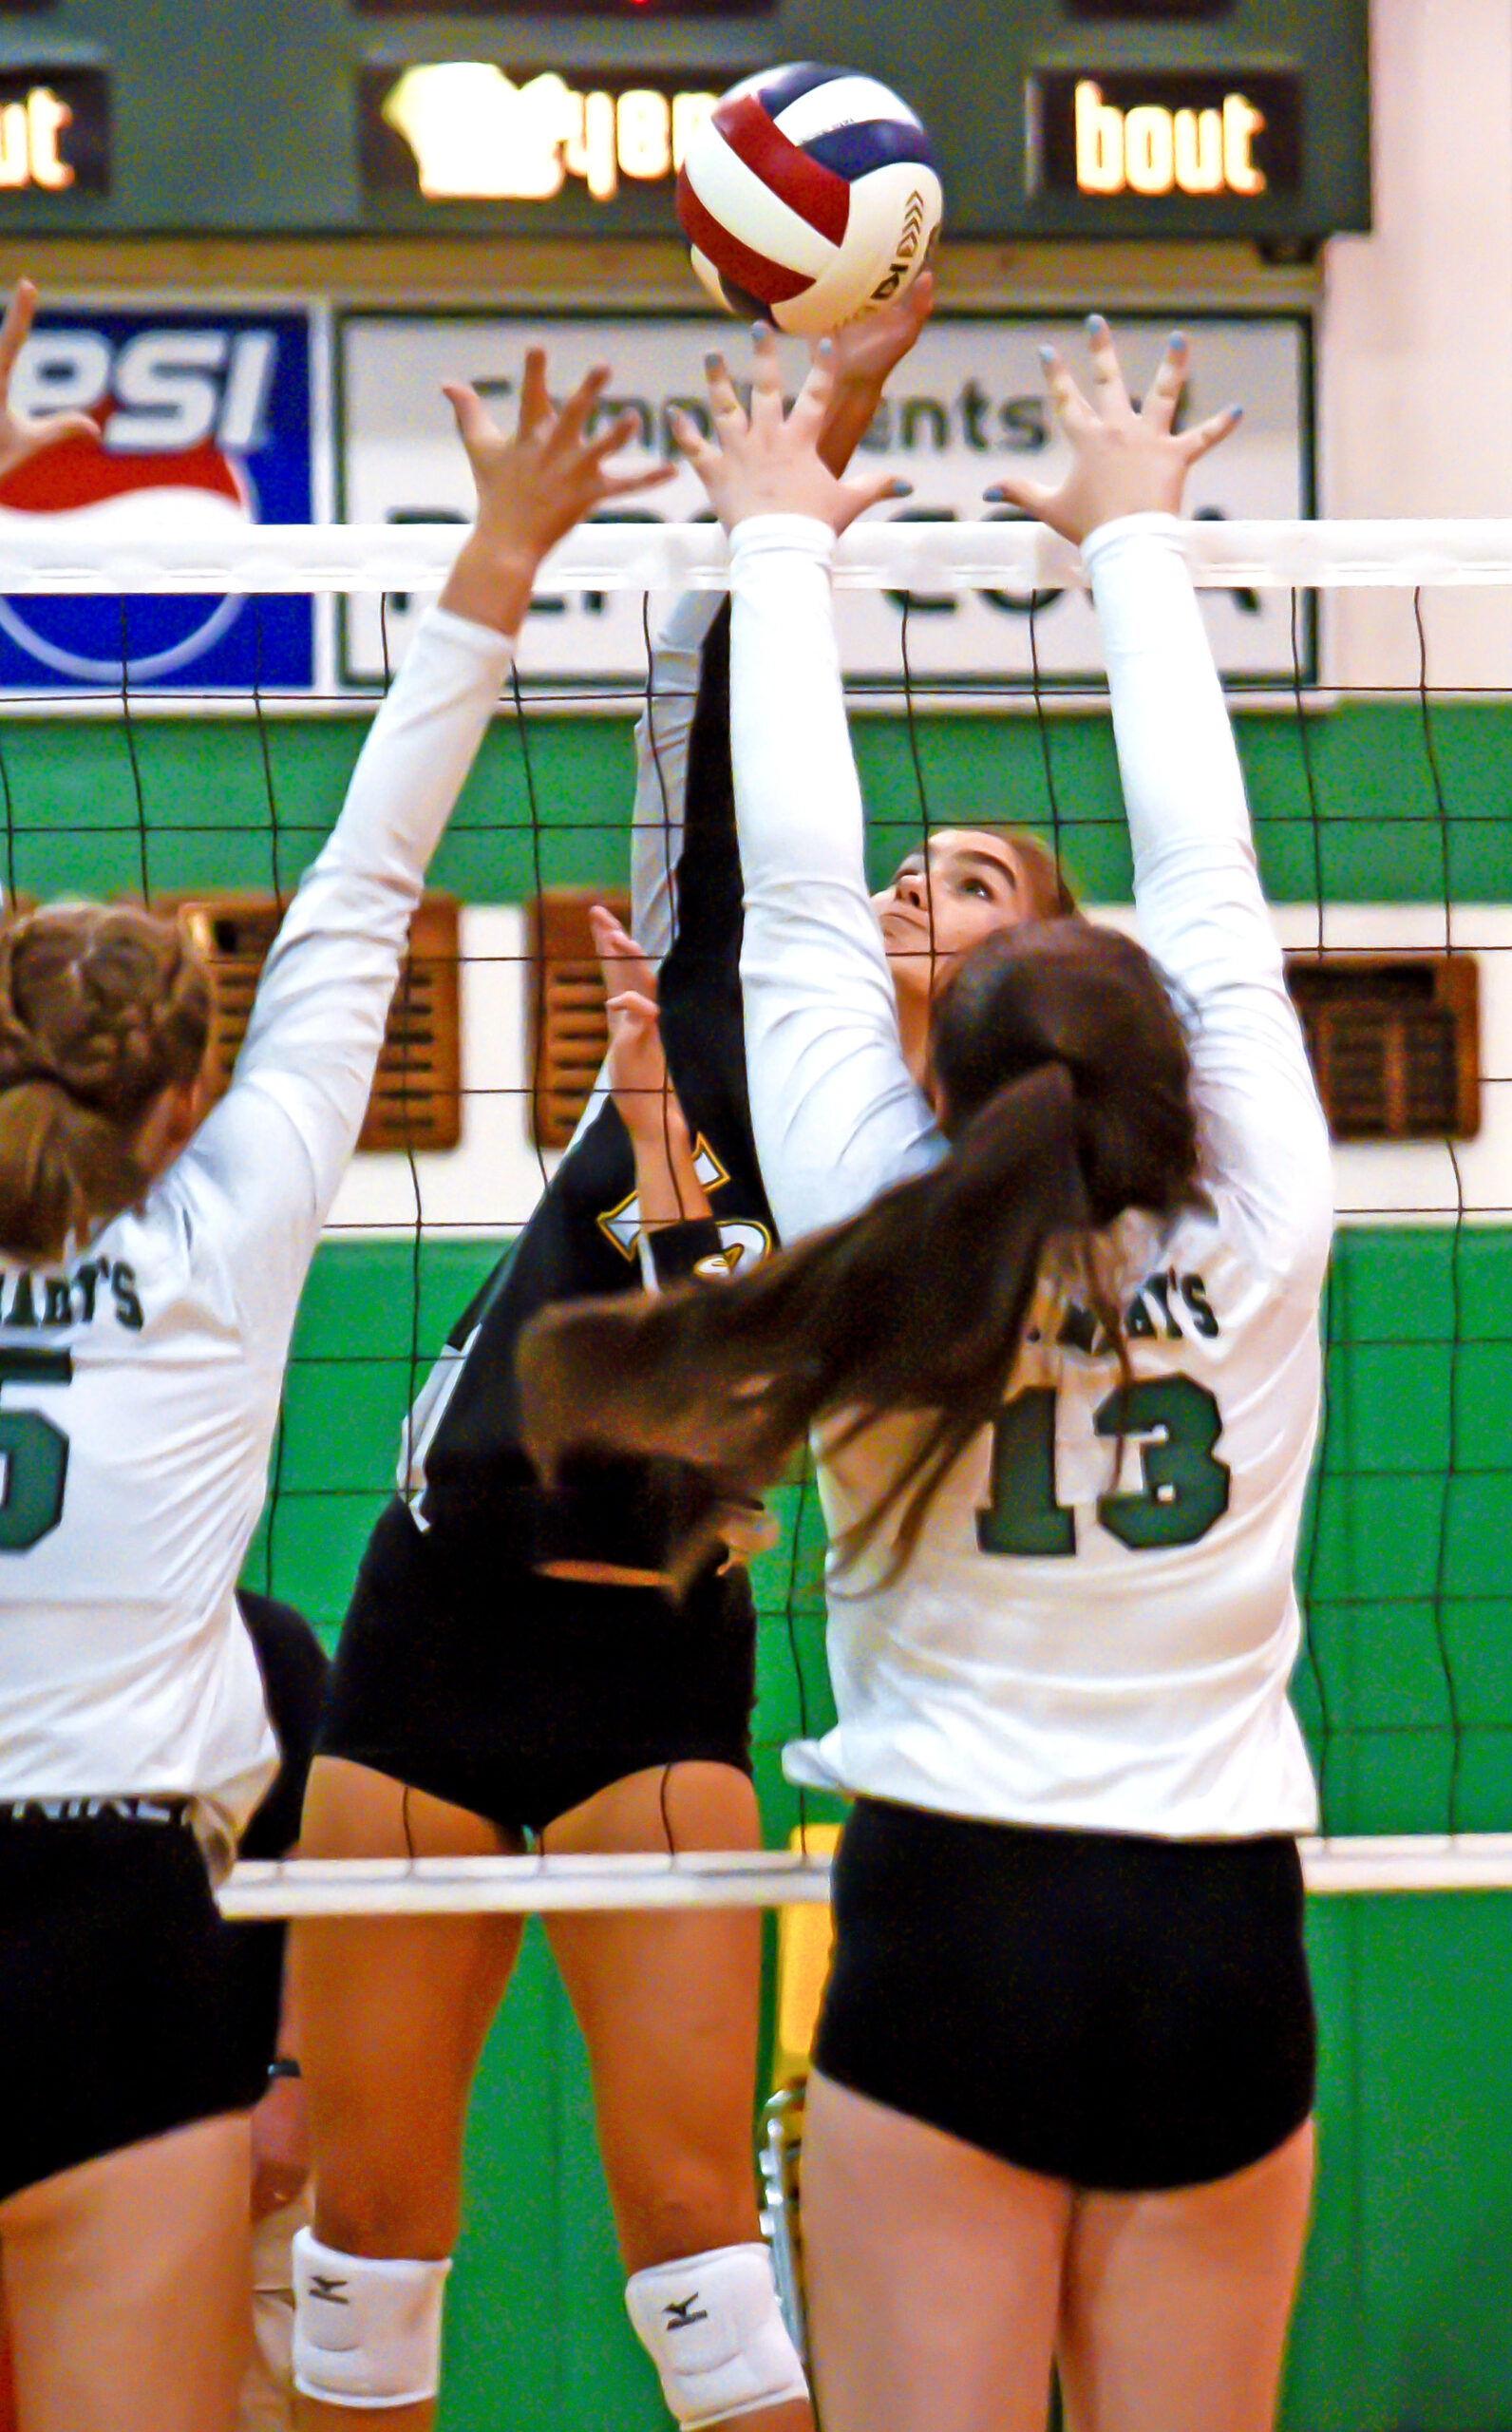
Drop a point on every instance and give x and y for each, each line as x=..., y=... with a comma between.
x=1379, y=822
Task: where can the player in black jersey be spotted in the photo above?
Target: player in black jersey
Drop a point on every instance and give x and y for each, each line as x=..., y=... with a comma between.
x=513, y=1664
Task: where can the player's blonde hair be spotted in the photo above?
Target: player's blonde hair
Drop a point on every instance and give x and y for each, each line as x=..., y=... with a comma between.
x=102, y=1007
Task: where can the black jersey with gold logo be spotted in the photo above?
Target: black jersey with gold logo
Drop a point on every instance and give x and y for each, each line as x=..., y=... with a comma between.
x=465, y=1462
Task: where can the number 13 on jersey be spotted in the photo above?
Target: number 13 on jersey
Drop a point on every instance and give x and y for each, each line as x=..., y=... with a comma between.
x=1173, y=1424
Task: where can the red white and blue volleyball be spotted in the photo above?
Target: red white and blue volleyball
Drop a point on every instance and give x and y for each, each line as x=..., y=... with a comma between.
x=810, y=197
x=206, y=430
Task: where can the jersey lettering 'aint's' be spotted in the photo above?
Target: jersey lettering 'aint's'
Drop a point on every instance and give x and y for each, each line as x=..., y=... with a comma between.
x=97, y=1287
x=1168, y=1307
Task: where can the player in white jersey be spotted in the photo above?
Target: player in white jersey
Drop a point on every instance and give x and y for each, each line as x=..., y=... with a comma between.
x=152, y=1263
x=1065, y=1371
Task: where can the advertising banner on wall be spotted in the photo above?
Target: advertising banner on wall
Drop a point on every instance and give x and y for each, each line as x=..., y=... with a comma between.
x=206, y=427
x=968, y=404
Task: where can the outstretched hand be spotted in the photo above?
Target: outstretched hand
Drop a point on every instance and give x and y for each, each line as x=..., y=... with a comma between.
x=872, y=348
x=1123, y=463
x=769, y=462
x=533, y=486
x=23, y=436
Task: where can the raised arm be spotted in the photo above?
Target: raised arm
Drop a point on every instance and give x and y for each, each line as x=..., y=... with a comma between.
x=864, y=357
x=663, y=735
x=1196, y=889
x=835, y=1114
x=278, y=1144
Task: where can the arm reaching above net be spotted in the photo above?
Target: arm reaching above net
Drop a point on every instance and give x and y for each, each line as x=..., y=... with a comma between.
x=1201, y=912
x=836, y=1111
x=276, y=1146
x=864, y=357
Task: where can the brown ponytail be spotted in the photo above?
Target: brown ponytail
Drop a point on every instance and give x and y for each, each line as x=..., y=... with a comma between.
x=1066, y=1083
x=101, y=1008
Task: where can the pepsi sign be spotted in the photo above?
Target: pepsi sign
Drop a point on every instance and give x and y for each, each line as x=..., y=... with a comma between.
x=205, y=428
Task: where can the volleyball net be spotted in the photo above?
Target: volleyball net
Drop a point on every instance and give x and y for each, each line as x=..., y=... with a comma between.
x=1383, y=828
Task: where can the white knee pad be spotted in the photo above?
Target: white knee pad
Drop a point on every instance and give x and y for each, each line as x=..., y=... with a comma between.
x=367, y=2331
x=713, y=2330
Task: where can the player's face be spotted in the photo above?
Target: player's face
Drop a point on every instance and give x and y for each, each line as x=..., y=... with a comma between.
x=942, y=903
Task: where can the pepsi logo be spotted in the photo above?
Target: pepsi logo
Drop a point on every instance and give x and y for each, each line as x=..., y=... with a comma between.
x=193, y=417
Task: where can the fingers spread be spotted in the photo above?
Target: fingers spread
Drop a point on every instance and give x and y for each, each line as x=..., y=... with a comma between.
x=1071, y=408
x=1197, y=442
x=857, y=495
x=573, y=420
x=1165, y=394
x=624, y=427
x=534, y=399
x=724, y=402
x=1107, y=380
x=689, y=439
x=474, y=422
x=812, y=402
x=1017, y=489
x=623, y=485
x=766, y=376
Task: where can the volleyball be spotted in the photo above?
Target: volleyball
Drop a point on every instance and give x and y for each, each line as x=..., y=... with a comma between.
x=810, y=197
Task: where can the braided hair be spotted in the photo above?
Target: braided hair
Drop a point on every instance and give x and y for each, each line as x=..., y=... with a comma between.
x=102, y=1008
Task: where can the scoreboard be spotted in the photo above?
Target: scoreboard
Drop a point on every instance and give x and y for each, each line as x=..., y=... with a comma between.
x=1054, y=119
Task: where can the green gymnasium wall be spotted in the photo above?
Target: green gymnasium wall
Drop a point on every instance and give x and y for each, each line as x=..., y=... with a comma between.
x=1404, y=2324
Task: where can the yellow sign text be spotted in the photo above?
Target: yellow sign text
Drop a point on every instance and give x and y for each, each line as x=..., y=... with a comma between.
x=1154, y=150
x=478, y=136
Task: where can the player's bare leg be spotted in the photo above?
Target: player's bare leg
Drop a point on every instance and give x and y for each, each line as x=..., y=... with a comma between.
x=127, y=2286
x=669, y=2010
x=934, y=2273
x=8, y=2385
x=1177, y=2304
x=393, y=2014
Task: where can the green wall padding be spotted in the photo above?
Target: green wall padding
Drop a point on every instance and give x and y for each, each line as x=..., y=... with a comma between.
x=73, y=791
x=1403, y=2324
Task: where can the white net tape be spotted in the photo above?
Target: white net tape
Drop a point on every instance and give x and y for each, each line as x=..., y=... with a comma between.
x=750, y=1879
x=45, y=556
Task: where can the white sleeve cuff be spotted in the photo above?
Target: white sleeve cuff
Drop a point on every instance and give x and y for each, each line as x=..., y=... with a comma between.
x=484, y=644
x=1154, y=524
x=766, y=536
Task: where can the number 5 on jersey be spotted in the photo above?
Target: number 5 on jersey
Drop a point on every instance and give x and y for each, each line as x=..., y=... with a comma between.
x=1183, y=1486
x=34, y=1452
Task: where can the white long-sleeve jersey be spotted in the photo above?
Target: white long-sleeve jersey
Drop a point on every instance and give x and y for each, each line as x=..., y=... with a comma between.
x=663, y=735
x=1080, y=1639
x=139, y=1381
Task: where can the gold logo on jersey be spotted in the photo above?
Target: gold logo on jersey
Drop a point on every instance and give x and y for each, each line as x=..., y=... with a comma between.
x=742, y=1242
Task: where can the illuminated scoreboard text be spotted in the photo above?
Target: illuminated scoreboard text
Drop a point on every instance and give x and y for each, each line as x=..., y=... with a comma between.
x=1075, y=119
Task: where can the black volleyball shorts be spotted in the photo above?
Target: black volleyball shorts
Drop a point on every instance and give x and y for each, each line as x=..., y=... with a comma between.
x=462, y=1672
x=115, y=2024
x=1119, y=2012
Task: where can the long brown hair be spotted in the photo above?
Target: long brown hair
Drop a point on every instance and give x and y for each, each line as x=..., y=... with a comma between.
x=102, y=1007
x=1065, y=1083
